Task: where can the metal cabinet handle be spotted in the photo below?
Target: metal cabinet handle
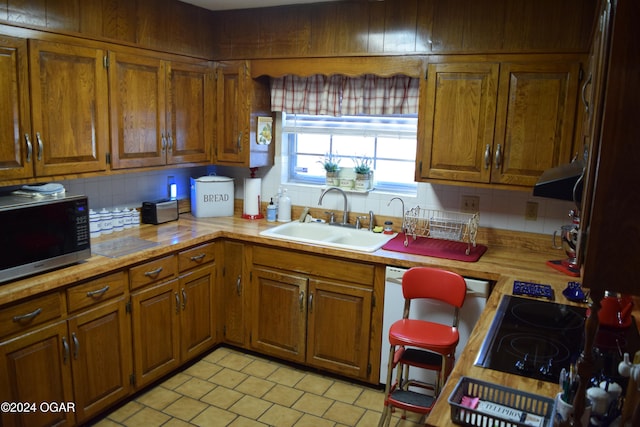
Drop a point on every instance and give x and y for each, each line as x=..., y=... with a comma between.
x=177, y=303
x=240, y=142
x=584, y=93
x=170, y=147
x=184, y=299
x=28, y=316
x=197, y=258
x=239, y=285
x=310, y=302
x=153, y=272
x=487, y=156
x=65, y=352
x=40, y=146
x=98, y=293
x=301, y=300
x=76, y=346
x=164, y=142
x=29, y=147
x=498, y=156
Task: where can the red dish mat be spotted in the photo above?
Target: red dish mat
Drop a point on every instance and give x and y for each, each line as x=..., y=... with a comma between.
x=437, y=248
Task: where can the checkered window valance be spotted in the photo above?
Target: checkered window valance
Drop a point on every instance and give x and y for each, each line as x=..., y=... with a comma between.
x=339, y=95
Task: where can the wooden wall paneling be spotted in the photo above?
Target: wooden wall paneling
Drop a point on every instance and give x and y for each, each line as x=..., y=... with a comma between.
x=424, y=26
x=284, y=31
x=325, y=29
x=376, y=27
x=448, y=26
x=483, y=28
x=117, y=18
x=351, y=28
x=400, y=26
x=530, y=26
x=27, y=12
x=63, y=15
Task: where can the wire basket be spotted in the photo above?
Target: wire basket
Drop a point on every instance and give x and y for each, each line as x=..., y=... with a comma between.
x=537, y=407
x=438, y=224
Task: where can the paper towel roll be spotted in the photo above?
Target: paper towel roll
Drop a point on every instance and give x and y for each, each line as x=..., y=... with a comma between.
x=252, y=188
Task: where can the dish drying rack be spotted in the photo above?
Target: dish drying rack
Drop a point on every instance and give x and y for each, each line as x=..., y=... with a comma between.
x=438, y=224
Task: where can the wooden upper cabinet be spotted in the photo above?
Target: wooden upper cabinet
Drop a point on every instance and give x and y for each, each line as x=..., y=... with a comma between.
x=138, y=119
x=16, y=153
x=233, y=132
x=456, y=123
x=69, y=108
x=240, y=101
x=162, y=112
x=191, y=112
x=496, y=122
x=535, y=120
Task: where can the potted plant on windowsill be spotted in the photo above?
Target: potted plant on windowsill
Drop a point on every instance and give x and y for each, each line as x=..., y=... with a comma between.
x=331, y=165
x=364, y=173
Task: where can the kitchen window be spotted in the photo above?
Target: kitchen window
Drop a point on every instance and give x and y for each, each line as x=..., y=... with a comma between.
x=390, y=141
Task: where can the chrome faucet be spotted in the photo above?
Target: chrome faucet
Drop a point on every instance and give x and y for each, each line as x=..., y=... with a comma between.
x=345, y=214
x=404, y=224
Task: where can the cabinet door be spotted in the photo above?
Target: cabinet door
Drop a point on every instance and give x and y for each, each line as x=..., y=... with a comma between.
x=100, y=341
x=156, y=331
x=36, y=367
x=232, y=144
x=458, y=121
x=197, y=323
x=279, y=313
x=16, y=150
x=69, y=104
x=534, y=120
x=339, y=327
x=232, y=294
x=138, y=115
x=191, y=108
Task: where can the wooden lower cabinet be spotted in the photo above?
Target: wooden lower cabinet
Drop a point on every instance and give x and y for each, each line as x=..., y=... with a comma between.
x=197, y=317
x=279, y=315
x=339, y=327
x=232, y=294
x=173, y=321
x=324, y=322
x=85, y=361
x=156, y=331
x=100, y=353
x=36, y=367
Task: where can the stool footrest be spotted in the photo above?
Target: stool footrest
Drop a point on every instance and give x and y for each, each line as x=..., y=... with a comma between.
x=414, y=356
x=412, y=398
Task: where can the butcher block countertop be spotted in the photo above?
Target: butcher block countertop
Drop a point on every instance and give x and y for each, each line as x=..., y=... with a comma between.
x=501, y=264
x=498, y=262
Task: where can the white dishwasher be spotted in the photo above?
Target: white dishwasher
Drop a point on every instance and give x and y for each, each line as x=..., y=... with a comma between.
x=434, y=311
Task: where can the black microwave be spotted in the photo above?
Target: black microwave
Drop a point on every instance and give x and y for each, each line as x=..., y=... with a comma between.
x=41, y=234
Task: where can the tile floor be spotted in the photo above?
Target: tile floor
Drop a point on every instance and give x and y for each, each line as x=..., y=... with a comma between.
x=230, y=388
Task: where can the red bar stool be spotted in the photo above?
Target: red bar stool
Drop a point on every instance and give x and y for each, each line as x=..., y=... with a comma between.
x=422, y=344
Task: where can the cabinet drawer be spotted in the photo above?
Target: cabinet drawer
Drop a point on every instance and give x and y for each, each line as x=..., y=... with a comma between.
x=96, y=290
x=153, y=271
x=194, y=257
x=22, y=316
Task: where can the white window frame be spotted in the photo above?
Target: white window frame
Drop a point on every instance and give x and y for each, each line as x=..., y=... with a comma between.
x=379, y=126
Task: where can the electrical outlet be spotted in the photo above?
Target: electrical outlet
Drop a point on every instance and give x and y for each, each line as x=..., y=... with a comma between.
x=531, y=211
x=470, y=204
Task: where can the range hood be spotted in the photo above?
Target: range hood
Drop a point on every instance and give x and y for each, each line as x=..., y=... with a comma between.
x=559, y=182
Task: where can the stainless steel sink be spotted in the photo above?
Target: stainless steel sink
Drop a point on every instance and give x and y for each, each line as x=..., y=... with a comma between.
x=328, y=235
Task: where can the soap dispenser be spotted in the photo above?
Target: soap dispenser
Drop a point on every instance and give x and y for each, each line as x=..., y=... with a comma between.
x=284, y=207
x=271, y=211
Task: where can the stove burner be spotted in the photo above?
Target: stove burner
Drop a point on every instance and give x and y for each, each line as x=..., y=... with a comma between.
x=562, y=318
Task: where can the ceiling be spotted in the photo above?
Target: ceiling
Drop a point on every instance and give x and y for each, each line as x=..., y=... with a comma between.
x=246, y=4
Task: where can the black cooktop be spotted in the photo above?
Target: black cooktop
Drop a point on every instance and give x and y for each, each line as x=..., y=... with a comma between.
x=536, y=339
x=533, y=338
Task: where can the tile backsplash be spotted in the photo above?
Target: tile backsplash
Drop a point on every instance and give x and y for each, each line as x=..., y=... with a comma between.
x=501, y=209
